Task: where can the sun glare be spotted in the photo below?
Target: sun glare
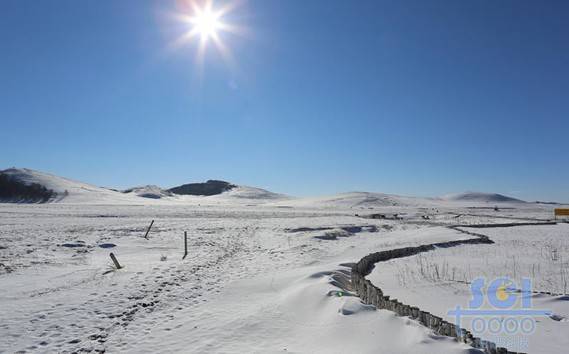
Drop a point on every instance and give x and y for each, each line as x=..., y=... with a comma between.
x=206, y=23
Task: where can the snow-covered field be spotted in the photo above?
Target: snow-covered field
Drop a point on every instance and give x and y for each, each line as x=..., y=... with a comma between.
x=264, y=273
x=440, y=280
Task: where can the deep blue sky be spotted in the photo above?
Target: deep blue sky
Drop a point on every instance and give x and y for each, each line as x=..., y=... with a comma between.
x=408, y=97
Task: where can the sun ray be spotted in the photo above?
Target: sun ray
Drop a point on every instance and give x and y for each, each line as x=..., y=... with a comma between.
x=226, y=54
x=206, y=23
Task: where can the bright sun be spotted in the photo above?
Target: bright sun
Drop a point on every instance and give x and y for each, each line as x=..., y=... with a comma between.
x=206, y=23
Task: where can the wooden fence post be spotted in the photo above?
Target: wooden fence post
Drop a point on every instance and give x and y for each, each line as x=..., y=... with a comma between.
x=148, y=230
x=115, y=261
x=185, y=244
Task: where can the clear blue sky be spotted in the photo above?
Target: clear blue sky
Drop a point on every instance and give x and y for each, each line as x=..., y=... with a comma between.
x=408, y=97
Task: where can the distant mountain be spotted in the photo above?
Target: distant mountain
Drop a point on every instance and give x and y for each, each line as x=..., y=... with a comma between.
x=367, y=200
x=150, y=191
x=360, y=200
x=481, y=198
x=23, y=185
x=15, y=189
x=209, y=188
x=251, y=194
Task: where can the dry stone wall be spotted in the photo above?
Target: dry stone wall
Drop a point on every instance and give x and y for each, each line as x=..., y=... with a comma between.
x=373, y=295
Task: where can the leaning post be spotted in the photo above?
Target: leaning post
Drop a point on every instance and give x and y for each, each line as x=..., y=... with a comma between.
x=115, y=261
x=148, y=230
x=185, y=244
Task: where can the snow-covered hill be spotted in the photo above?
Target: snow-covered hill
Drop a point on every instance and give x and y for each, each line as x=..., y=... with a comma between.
x=251, y=193
x=149, y=191
x=70, y=191
x=67, y=190
x=367, y=200
x=481, y=198
x=360, y=200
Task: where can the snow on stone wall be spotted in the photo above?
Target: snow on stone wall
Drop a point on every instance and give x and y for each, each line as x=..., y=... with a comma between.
x=372, y=295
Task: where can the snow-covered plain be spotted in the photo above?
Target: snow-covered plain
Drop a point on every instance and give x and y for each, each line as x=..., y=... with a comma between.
x=265, y=273
x=438, y=281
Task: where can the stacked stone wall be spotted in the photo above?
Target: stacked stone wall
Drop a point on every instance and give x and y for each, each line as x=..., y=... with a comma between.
x=373, y=295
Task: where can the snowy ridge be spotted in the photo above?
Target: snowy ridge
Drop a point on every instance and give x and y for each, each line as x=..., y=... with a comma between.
x=70, y=191
x=481, y=198
x=368, y=200
x=74, y=192
x=252, y=193
x=149, y=191
x=348, y=200
x=362, y=200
